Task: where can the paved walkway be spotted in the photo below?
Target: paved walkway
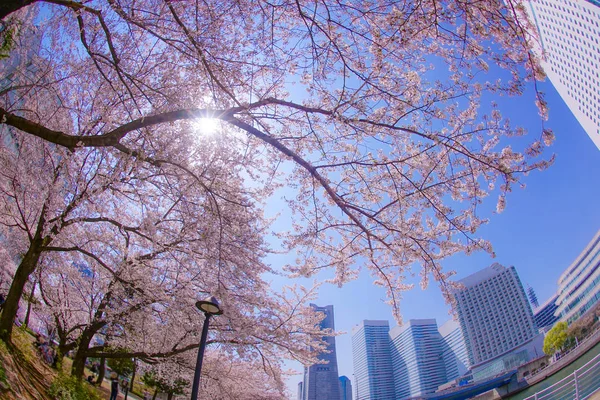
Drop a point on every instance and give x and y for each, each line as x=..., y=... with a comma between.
x=105, y=389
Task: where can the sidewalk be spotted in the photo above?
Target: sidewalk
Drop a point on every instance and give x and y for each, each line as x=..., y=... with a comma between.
x=105, y=389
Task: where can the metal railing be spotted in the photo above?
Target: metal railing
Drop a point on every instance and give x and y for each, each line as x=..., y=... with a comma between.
x=580, y=385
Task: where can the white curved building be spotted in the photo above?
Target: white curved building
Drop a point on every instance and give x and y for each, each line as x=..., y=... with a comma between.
x=579, y=285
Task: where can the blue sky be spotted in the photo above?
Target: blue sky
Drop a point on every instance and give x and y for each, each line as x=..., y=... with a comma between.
x=543, y=229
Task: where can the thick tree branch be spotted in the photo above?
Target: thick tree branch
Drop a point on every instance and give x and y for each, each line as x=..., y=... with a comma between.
x=9, y=6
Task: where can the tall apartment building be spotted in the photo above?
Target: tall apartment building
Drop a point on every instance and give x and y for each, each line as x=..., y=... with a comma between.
x=321, y=380
x=345, y=388
x=372, y=361
x=579, y=285
x=454, y=350
x=496, y=321
x=417, y=358
x=569, y=37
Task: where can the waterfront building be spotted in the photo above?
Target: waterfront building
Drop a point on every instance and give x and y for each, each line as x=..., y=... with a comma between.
x=579, y=285
x=493, y=312
x=345, y=388
x=299, y=391
x=496, y=321
x=321, y=380
x=454, y=350
x=569, y=32
x=372, y=360
x=417, y=359
x=543, y=316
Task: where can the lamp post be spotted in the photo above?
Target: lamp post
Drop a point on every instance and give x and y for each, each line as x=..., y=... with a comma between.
x=209, y=306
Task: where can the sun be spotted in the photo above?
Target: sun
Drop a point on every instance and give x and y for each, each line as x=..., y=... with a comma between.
x=206, y=126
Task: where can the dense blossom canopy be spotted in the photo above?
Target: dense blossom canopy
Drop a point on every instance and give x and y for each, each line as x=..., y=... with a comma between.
x=377, y=116
x=376, y=105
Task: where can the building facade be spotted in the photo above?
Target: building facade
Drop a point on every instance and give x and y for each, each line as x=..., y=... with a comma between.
x=454, y=350
x=510, y=360
x=372, y=361
x=579, y=285
x=494, y=313
x=417, y=359
x=569, y=33
x=321, y=380
x=345, y=388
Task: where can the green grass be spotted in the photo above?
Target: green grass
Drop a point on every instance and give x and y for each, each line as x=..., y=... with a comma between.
x=3, y=348
x=22, y=340
x=3, y=377
x=4, y=352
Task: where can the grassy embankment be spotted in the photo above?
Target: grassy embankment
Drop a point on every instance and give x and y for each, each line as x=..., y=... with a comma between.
x=25, y=376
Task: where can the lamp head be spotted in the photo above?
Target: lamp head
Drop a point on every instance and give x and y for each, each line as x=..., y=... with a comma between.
x=209, y=306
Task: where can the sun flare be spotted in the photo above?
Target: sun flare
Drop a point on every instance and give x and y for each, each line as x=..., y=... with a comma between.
x=206, y=126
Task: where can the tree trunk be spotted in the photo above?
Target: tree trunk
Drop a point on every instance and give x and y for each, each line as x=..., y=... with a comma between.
x=132, y=375
x=24, y=270
x=61, y=351
x=101, y=371
x=29, y=300
x=78, y=367
x=170, y=396
x=60, y=356
x=155, y=394
x=64, y=346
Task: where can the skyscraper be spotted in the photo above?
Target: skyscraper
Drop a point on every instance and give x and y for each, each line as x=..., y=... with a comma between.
x=454, y=350
x=569, y=37
x=372, y=361
x=345, y=388
x=417, y=358
x=532, y=297
x=321, y=380
x=496, y=320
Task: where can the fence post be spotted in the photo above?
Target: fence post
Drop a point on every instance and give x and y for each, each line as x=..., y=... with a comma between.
x=576, y=385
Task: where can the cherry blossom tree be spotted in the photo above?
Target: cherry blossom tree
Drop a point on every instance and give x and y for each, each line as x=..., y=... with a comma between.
x=25, y=209
x=156, y=320
x=377, y=107
x=71, y=297
x=48, y=194
x=133, y=277
x=7, y=270
x=223, y=377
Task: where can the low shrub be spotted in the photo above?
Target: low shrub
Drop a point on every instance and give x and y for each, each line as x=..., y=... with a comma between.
x=68, y=388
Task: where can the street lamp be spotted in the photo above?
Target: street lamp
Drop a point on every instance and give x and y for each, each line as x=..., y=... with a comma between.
x=209, y=306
